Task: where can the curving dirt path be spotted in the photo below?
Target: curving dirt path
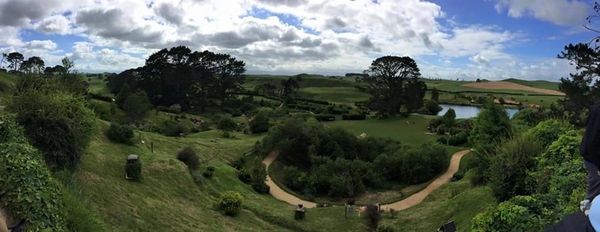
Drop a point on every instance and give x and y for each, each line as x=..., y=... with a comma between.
x=417, y=198
x=408, y=202
x=277, y=191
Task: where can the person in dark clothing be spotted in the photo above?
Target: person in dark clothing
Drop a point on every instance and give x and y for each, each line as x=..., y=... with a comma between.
x=590, y=150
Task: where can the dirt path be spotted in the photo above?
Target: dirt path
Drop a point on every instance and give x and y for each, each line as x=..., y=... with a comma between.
x=417, y=198
x=279, y=193
x=505, y=85
x=411, y=201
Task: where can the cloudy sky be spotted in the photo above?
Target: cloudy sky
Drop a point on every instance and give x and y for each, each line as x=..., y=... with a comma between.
x=493, y=39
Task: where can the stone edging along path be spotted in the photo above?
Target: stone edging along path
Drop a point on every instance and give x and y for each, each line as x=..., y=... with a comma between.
x=280, y=194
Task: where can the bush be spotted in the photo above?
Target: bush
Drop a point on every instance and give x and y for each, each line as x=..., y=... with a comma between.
x=230, y=203
x=325, y=117
x=137, y=106
x=372, y=216
x=134, y=170
x=189, y=157
x=171, y=127
x=244, y=176
x=10, y=131
x=260, y=123
x=209, y=172
x=530, y=117
x=227, y=124
x=509, y=167
x=120, y=133
x=58, y=124
x=548, y=131
x=508, y=216
x=28, y=190
x=431, y=107
x=354, y=117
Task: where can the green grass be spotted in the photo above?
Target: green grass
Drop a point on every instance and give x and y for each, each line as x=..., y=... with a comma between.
x=168, y=199
x=456, y=201
x=410, y=130
x=457, y=86
x=339, y=95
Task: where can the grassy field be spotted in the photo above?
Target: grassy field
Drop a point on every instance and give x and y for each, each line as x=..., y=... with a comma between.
x=410, y=130
x=537, y=84
x=338, y=95
x=168, y=199
x=457, y=201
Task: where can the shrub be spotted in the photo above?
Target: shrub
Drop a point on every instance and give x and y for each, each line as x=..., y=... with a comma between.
x=226, y=123
x=137, y=106
x=325, y=117
x=28, y=190
x=209, y=172
x=134, y=170
x=509, y=167
x=431, y=107
x=244, y=176
x=10, y=131
x=260, y=123
x=508, y=216
x=230, y=203
x=189, y=157
x=171, y=127
x=58, y=124
x=120, y=133
x=354, y=117
x=259, y=175
x=530, y=117
x=548, y=131
x=372, y=216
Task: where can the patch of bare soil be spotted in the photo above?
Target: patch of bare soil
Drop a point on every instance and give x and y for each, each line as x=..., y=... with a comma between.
x=505, y=85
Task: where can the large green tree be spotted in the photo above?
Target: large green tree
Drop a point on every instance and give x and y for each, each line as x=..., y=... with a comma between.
x=14, y=59
x=181, y=76
x=393, y=82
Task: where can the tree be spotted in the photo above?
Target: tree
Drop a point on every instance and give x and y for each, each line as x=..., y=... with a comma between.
x=53, y=71
x=260, y=123
x=226, y=124
x=14, y=59
x=67, y=65
x=123, y=95
x=394, y=82
x=435, y=95
x=491, y=126
x=137, y=106
x=289, y=86
x=33, y=65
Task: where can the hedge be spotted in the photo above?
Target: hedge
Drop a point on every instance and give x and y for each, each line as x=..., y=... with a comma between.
x=27, y=189
x=325, y=117
x=354, y=117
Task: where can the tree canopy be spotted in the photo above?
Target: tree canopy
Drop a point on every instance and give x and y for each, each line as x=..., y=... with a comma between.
x=181, y=76
x=393, y=83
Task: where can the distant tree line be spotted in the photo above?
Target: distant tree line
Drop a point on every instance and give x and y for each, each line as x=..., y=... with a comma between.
x=34, y=65
x=194, y=80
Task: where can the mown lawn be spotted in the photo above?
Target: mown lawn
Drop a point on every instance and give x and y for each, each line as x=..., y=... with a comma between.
x=409, y=130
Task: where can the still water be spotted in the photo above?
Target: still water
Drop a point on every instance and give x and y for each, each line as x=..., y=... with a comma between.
x=470, y=111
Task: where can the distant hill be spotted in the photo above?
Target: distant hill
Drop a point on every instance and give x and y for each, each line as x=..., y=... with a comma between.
x=536, y=84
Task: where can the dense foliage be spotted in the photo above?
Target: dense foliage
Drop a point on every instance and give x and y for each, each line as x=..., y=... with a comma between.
x=557, y=184
x=394, y=85
x=181, y=76
x=331, y=161
x=189, y=157
x=491, y=127
x=259, y=123
x=57, y=123
x=230, y=203
x=27, y=189
x=120, y=133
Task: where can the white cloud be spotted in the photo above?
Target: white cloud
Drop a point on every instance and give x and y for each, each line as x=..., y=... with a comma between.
x=561, y=12
x=324, y=36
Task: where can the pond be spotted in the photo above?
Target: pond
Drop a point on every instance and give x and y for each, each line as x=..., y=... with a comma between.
x=470, y=111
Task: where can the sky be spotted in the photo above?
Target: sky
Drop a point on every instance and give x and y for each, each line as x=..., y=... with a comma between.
x=450, y=39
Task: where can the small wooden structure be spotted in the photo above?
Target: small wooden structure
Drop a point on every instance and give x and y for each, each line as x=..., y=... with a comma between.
x=133, y=168
x=300, y=212
x=448, y=227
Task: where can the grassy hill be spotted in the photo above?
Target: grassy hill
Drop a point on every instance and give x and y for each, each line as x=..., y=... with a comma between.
x=169, y=198
x=537, y=84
